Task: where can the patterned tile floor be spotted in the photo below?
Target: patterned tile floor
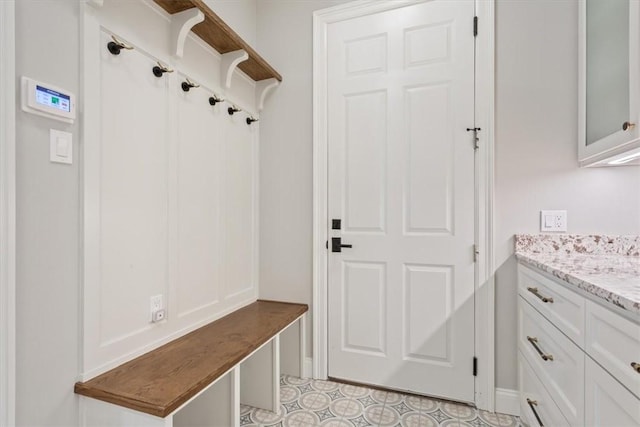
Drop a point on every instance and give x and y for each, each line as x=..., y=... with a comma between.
x=306, y=403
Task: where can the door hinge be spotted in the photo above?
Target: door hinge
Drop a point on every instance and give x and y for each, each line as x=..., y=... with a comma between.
x=475, y=26
x=476, y=253
x=326, y=244
x=476, y=139
x=475, y=366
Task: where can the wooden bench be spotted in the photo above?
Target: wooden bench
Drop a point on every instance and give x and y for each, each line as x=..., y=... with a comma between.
x=195, y=379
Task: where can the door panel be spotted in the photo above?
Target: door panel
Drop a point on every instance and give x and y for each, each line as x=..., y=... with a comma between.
x=428, y=207
x=366, y=55
x=401, y=177
x=427, y=44
x=364, y=195
x=426, y=339
x=364, y=309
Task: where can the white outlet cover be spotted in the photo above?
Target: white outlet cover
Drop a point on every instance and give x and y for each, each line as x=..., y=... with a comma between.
x=158, y=316
x=553, y=221
x=156, y=304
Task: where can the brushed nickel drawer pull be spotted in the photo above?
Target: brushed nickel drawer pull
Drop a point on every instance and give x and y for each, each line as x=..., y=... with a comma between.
x=532, y=404
x=534, y=343
x=535, y=292
x=636, y=366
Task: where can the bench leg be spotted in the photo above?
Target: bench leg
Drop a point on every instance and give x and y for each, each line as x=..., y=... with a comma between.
x=235, y=393
x=293, y=349
x=303, y=344
x=260, y=377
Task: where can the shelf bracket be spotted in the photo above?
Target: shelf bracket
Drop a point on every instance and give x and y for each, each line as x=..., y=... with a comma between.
x=181, y=24
x=263, y=87
x=229, y=62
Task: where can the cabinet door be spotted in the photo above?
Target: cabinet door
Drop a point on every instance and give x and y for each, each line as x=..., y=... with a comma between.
x=614, y=343
x=555, y=360
x=608, y=403
x=537, y=408
x=608, y=79
x=562, y=307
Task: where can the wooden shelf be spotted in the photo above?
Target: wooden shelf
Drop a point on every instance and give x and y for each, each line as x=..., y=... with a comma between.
x=222, y=38
x=160, y=381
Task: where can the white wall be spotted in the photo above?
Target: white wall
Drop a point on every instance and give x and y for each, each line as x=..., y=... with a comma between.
x=47, y=318
x=286, y=170
x=7, y=213
x=536, y=150
x=240, y=15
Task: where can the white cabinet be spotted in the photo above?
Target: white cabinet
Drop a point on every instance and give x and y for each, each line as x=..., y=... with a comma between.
x=536, y=405
x=576, y=357
x=563, y=308
x=557, y=362
x=614, y=342
x=609, y=82
x=607, y=402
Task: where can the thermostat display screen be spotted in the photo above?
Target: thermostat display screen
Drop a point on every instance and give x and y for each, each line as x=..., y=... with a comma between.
x=47, y=100
x=53, y=99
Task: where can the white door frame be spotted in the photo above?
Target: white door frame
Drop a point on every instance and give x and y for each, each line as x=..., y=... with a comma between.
x=7, y=213
x=484, y=95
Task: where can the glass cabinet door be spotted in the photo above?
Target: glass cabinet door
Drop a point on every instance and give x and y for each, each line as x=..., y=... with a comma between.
x=609, y=77
x=607, y=67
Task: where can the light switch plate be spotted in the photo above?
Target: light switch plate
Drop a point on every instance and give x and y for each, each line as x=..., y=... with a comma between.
x=553, y=221
x=60, y=146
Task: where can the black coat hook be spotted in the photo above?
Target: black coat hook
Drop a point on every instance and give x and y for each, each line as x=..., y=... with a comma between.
x=116, y=46
x=214, y=100
x=187, y=85
x=251, y=120
x=160, y=69
x=231, y=110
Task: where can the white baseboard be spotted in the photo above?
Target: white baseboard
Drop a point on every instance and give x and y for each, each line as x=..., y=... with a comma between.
x=507, y=401
x=307, y=367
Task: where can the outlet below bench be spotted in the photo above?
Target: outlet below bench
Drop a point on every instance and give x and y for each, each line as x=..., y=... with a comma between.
x=201, y=377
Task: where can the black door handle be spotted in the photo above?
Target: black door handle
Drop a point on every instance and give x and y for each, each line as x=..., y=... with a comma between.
x=336, y=244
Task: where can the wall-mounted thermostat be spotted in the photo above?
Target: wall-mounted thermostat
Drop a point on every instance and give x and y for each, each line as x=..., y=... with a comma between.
x=47, y=100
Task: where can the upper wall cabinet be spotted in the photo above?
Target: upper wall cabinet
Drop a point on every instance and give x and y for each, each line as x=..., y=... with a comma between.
x=609, y=87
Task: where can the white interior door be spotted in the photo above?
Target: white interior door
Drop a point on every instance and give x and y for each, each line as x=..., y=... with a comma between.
x=401, y=180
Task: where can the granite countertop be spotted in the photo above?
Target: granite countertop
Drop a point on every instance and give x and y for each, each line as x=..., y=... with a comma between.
x=607, y=267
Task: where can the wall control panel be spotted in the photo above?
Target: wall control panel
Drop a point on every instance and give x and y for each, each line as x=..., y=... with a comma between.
x=48, y=100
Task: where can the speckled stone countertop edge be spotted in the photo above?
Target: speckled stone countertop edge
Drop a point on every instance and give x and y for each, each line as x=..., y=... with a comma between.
x=590, y=286
x=586, y=244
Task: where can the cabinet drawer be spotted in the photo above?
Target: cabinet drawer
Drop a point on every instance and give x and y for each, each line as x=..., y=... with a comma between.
x=564, y=308
x=557, y=362
x=608, y=404
x=614, y=342
x=533, y=396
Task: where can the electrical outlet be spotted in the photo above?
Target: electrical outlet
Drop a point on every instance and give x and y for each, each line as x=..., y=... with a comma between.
x=156, y=304
x=158, y=316
x=553, y=221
